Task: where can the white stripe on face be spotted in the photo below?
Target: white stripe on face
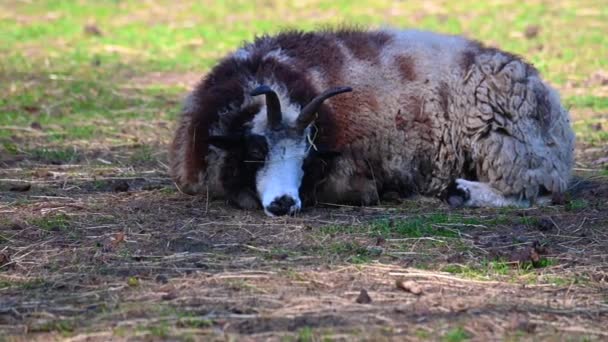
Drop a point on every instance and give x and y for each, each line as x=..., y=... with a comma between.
x=282, y=173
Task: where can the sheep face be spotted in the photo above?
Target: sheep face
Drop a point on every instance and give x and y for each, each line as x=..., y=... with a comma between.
x=276, y=151
x=279, y=179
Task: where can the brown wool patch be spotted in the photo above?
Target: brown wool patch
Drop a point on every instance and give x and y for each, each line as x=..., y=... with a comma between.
x=313, y=50
x=407, y=67
x=364, y=45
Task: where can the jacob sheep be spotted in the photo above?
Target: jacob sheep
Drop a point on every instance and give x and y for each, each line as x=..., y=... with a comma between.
x=347, y=116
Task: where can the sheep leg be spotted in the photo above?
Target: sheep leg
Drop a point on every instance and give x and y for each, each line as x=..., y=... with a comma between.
x=477, y=194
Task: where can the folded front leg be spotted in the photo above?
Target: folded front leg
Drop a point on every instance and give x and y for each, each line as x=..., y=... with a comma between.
x=477, y=194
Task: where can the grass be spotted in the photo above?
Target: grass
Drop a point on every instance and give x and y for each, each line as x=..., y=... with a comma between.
x=415, y=226
x=457, y=334
x=54, y=222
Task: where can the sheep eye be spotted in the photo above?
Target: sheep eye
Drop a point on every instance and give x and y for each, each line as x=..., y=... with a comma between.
x=256, y=147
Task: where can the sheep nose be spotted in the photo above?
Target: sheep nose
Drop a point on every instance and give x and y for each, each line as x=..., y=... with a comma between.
x=282, y=205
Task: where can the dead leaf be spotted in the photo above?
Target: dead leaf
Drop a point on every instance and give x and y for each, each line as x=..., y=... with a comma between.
x=93, y=30
x=117, y=239
x=545, y=224
x=5, y=258
x=120, y=186
x=558, y=198
x=17, y=224
x=599, y=77
x=530, y=254
x=531, y=31
x=20, y=187
x=36, y=125
x=169, y=295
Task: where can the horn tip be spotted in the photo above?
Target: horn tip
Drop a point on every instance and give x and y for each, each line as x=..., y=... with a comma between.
x=344, y=89
x=263, y=89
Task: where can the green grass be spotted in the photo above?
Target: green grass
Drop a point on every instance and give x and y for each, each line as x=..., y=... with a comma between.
x=416, y=226
x=502, y=270
x=456, y=335
x=65, y=327
x=56, y=222
x=305, y=335
x=77, y=85
x=577, y=205
x=54, y=156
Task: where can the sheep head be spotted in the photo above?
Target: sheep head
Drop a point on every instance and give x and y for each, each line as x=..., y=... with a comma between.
x=279, y=150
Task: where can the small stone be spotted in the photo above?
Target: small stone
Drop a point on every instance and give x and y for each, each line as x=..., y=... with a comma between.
x=120, y=186
x=409, y=286
x=545, y=224
x=364, y=297
x=161, y=278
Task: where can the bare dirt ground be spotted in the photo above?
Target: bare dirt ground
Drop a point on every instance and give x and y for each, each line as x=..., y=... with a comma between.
x=97, y=252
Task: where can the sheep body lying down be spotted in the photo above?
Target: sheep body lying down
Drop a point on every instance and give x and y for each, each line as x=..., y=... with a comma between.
x=273, y=124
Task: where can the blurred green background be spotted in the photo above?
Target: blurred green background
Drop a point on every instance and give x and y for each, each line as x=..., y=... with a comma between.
x=112, y=73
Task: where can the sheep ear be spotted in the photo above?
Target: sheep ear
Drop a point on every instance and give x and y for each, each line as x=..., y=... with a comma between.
x=327, y=153
x=225, y=142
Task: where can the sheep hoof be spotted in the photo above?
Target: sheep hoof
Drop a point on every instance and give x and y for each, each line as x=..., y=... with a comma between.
x=484, y=195
x=457, y=195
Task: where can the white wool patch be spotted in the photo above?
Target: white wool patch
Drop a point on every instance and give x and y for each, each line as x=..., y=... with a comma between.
x=282, y=173
x=277, y=55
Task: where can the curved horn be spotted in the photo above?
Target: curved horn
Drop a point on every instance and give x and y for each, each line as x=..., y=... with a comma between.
x=273, y=106
x=307, y=115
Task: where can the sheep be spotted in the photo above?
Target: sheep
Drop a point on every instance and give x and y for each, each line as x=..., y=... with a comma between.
x=352, y=116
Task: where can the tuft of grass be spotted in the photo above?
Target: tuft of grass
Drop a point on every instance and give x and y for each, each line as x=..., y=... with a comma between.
x=456, y=335
x=194, y=322
x=498, y=269
x=56, y=222
x=418, y=226
x=429, y=225
x=160, y=330
x=64, y=327
x=305, y=335
x=54, y=156
x=577, y=204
